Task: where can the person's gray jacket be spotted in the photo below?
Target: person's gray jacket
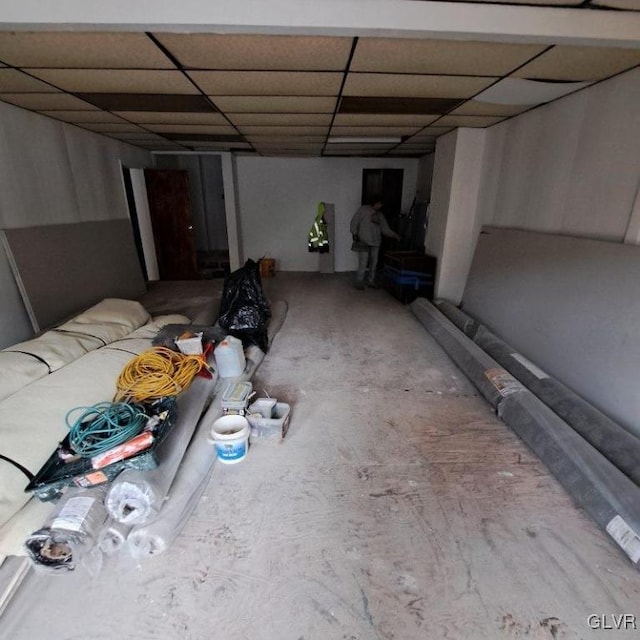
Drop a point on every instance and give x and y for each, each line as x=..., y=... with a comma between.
x=370, y=225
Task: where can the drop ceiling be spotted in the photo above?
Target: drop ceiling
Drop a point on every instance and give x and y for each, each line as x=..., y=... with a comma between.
x=290, y=94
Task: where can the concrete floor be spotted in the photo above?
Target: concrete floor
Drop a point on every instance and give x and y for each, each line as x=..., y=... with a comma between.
x=398, y=507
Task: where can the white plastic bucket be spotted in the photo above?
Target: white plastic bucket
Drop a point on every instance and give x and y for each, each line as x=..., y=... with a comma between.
x=230, y=434
x=229, y=355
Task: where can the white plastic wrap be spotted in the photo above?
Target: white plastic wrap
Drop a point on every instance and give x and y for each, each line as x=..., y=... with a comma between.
x=71, y=530
x=112, y=537
x=136, y=497
x=197, y=464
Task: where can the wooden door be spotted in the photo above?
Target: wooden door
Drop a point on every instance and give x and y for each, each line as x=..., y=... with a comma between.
x=170, y=210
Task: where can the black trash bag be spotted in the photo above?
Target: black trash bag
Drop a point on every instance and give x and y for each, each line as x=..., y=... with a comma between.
x=244, y=310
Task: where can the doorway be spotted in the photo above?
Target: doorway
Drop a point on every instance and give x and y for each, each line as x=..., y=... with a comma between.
x=385, y=185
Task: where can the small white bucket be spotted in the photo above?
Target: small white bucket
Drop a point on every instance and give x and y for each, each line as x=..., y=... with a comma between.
x=230, y=434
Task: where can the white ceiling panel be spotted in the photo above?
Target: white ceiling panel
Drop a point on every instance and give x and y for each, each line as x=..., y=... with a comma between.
x=12, y=80
x=286, y=140
x=265, y=83
x=413, y=86
x=280, y=119
x=579, y=63
x=382, y=120
x=167, y=117
x=68, y=49
x=258, y=52
x=46, y=101
x=374, y=131
x=274, y=104
x=217, y=129
x=102, y=117
x=116, y=80
x=111, y=128
x=440, y=56
x=249, y=130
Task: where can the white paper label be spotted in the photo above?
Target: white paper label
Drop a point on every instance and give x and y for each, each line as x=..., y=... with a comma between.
x=626, y=537
x=73, y=514
x=527, y=364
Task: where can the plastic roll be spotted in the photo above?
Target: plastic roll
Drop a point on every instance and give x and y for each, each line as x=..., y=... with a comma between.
x=112, y=537
x=136, y=497
x=197, y=465
x=70, y=531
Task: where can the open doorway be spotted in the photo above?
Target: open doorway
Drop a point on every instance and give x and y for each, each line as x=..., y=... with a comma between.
x=207, y=206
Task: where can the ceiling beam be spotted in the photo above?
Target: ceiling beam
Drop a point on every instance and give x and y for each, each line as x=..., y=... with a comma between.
x=381, y=18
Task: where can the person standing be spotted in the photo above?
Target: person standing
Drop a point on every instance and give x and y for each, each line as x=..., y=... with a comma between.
x=368, y=225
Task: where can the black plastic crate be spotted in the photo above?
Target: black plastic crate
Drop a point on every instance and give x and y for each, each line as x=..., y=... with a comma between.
x=56, y=475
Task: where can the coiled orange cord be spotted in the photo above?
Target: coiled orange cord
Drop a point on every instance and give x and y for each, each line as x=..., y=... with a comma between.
x=157, y=373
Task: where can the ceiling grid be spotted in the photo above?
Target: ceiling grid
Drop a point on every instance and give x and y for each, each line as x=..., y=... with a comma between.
x=295, y=94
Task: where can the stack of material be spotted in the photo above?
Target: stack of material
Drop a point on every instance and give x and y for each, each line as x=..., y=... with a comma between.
x=596, y=460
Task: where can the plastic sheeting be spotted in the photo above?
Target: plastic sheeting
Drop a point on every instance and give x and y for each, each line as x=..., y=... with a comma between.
x=70, y=532
x=136, y=497
x=197, y=465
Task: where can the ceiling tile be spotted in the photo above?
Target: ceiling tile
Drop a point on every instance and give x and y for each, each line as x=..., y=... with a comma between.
x=475, y=108
x=150, y=102
x=282, y=119
x=429, y=132
x=219, y=146
x=81, y=50
x=249, y=130
x=279, y=83
x=12, y=80
x=46, y=101
x=440, y=56
x=188, y=138
x=276, y=143
x=397, y=106
x=258, y=52
x=413, y=86
x=377, y=148
x=469, y=121
x=362, y=152
x=382, y=119
x=579, y=63
x=116, y=80
x=161, y=146
x=274, y=104
x=285, y=140
x=374, y=131
x=192, y=128
x=144, y=135
x=84, y=116
x=124, y=127
x=167, y=117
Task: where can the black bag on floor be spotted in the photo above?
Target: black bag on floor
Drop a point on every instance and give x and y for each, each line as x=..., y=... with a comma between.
x=244, y=310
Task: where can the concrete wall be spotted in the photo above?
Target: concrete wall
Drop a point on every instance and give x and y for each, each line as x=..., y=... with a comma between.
x=52, y=172
x=278, y=198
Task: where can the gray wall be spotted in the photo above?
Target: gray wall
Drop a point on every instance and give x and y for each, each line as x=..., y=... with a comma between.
x=52, y=172
x=571, y=305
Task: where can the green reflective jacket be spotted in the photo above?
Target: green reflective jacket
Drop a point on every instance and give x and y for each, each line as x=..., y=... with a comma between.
x=318, y=235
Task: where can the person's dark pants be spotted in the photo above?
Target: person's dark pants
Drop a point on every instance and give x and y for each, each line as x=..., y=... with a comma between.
x=367, y=258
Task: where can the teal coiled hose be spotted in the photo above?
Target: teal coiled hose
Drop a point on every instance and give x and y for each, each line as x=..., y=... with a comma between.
x=103, y=426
